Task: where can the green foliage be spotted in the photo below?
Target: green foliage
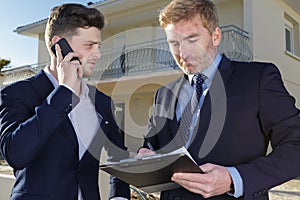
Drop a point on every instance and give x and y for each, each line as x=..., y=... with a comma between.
x=3, y=63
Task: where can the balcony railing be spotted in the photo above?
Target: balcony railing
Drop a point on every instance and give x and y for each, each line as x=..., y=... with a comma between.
x=154, y=56
x=235, y=43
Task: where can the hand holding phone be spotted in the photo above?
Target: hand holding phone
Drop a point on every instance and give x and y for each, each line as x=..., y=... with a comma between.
x=65, y=48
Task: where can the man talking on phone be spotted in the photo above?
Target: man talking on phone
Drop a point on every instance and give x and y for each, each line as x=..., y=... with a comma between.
x=54, y=125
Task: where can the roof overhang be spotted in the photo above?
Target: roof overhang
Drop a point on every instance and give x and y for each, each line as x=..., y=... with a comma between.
x=119, y=13
x=295, y=4
x=32, y=30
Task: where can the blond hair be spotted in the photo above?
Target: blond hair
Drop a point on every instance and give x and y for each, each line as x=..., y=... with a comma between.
x=185, y=10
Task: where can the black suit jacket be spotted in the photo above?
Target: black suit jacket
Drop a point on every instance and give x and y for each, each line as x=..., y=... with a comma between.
x=39, y=142
x=246, y=107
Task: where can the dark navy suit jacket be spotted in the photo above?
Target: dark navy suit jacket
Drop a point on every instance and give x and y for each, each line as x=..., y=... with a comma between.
x=39, y=142
x=246, y=107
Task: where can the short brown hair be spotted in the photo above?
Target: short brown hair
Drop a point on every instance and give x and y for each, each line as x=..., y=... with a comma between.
x=65, y=19
x=179, y=10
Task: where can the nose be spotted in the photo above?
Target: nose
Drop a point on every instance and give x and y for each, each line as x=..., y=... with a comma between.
x=97, y=52
x=183, y=51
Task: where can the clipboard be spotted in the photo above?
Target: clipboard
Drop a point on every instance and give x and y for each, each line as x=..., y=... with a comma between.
x=152, y=173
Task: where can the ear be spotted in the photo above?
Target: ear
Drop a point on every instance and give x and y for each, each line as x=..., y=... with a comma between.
x=55, y=39
x=217, y=36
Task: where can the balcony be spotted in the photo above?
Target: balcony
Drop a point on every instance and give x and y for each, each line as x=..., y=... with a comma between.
x=145, y=57
x=235, y=43
x=154, y=56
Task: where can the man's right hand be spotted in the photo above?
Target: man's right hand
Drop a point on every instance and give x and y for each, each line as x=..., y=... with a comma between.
x=145, y=152
x=69, y=72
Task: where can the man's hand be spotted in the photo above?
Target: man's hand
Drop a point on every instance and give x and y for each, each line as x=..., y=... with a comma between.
x=216, y=180
x=69, y=72
x=144, y=152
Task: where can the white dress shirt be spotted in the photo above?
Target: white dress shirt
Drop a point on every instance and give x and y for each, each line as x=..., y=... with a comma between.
x=84, y=119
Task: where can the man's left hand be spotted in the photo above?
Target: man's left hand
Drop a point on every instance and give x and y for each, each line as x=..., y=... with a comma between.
x=216, y=180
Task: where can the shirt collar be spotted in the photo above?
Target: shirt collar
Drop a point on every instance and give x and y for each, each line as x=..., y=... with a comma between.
x=84, y=87
x=51, y=77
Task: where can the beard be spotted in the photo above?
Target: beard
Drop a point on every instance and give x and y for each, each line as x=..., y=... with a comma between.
x=198, y=63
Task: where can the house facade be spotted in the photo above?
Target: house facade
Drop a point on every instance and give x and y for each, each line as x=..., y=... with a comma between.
x=136, y=60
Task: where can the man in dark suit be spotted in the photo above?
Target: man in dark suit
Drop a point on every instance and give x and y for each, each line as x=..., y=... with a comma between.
x=54, y=125
x=240, y=107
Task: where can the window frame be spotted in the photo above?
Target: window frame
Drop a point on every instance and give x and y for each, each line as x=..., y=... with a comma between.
x=288, y=27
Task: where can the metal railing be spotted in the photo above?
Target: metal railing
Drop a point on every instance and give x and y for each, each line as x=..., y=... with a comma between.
x=138, y=58
x=154, y=56
x=235, y=43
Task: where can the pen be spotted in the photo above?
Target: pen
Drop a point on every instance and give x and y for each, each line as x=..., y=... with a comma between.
x=149, y=144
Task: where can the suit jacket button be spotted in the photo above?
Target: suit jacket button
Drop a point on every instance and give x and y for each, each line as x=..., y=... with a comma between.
x=264, y=191
x=68, y=109
x=177, y=198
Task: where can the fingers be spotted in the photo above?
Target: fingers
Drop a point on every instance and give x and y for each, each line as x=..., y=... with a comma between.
x=195, y=183
x=145, y=152
x=58, y=53
x=191, y=177
x=215, y=181
x=68, y=57
x=207, y=167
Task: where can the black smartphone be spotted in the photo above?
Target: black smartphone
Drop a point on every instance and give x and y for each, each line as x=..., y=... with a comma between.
x=65, y=48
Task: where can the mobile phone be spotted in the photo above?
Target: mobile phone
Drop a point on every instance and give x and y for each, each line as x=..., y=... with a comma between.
x=65, y=48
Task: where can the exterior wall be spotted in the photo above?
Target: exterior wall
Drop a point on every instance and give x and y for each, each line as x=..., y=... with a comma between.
x=137, y=95
x=269, y=40
x=132, y=38
x=2, y=79
x=6, y=182
x=231, y=12
x=43, y=55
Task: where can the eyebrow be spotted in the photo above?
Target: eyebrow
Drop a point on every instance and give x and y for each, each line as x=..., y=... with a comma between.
x=193, y=35
x=93, y=42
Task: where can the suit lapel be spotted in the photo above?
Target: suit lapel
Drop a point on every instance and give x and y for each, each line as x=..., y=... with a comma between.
x=213, y=110
x=173, y=102
x=70, y=131
x=43, y=87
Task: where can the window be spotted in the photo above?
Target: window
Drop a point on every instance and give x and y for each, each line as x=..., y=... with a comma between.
x=292, y=36
x=289, y=39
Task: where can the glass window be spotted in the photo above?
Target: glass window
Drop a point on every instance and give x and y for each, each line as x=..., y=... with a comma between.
x=292, y=35
x=289, y=39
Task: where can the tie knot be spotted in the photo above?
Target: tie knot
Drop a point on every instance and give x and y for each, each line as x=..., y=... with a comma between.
x=198, y=79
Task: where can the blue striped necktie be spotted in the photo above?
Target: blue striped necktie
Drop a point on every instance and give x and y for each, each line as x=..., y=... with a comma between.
x=187, y=115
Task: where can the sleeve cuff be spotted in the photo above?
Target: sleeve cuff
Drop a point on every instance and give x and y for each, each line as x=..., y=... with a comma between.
x=237, y=182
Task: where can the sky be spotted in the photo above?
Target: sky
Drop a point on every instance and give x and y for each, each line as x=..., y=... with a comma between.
x=20, y=49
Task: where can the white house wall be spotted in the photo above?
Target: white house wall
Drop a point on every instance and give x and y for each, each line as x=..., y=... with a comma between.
x=269, y=40
x=231, y=12
x=43, y=55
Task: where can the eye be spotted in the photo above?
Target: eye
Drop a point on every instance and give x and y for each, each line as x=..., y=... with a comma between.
x=173, y=44
x=192, y=40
